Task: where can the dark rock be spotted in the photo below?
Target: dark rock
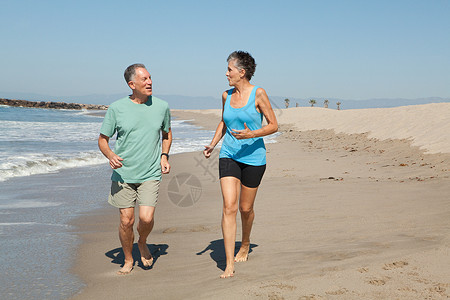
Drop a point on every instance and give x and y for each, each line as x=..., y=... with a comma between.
x=50, y=104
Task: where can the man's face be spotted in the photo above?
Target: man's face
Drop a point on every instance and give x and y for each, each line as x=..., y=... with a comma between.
x=142, y=82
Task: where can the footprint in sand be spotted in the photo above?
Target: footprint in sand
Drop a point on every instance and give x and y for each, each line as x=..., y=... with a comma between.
x=337, y=292
x=170, y=230
x=377, y=281
x=310, y=297
x=275, y=296
x=395, y=265
x=363, y=270
x=195, y=228
x=199, y=228
x=281, y=286
x=438, y=289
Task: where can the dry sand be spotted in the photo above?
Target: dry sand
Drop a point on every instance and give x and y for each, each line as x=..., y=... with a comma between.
x=340, y=214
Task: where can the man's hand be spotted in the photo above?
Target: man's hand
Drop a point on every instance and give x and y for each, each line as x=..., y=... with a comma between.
x=115, y=161
x=165, y=166
x=243, y=134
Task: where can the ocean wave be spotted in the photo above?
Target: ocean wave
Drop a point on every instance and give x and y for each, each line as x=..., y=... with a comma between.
x=14, y=228
x=49, y=165
x=28, y=204
x=17, y=223
x=184, y=124
x=94, y=113
x=48, y=131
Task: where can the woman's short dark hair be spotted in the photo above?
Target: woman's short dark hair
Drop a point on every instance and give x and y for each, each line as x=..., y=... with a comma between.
x=243, y=60
x=131, y=71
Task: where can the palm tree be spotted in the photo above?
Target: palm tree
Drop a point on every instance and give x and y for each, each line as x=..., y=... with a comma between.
x=325, y=103
x=312, y=102
x=338, y=105
x=286, y=102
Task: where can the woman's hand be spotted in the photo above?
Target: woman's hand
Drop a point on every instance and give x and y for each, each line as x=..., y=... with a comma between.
x=208, y=150
x=243, y=134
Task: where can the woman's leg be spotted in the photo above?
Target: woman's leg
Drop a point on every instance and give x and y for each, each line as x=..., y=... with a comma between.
x=250, y=179
x=230, y=191
x=247, y=199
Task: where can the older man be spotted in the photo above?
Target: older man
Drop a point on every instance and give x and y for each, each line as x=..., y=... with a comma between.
x=138, y=159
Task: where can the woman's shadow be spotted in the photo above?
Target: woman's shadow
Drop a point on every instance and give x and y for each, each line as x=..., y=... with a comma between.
x=118, y=257
x=218, y=252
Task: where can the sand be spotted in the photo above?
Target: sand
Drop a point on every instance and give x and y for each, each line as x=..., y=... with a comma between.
x=355, y=211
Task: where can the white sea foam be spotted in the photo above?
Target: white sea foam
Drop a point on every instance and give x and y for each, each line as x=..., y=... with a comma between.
x=17, y=223
x=48, y=131
x=34, y=224
x=28, y=204
x=13, y=227
x=90, y=112
x=25, y=166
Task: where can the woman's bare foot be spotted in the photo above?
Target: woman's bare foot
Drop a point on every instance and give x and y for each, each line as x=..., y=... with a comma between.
x=242, y=255
x=229, y=272
x=146, y=257
x=126, y=269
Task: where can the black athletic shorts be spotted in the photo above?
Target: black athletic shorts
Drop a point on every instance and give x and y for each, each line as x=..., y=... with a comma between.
x=250, y=176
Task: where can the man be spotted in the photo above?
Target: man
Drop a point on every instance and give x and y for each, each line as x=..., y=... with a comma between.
x=137, y=161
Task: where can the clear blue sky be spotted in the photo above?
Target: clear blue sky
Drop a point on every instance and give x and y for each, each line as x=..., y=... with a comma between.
x=335, y=49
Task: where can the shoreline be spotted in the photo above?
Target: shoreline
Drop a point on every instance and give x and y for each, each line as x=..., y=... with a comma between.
x=337, y=215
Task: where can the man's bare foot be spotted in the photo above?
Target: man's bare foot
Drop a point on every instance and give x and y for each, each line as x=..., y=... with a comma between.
x=242, y=255
x=146, y=256
x=229, y=272
x=126, y=269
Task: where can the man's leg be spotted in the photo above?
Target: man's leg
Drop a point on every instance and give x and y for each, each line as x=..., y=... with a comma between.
x=144, y=228
x=126, y=235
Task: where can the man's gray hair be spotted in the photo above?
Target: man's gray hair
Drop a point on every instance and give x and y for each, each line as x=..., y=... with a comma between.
x=131, y=71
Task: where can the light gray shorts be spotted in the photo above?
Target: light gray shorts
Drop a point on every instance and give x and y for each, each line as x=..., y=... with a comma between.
x=124, y=195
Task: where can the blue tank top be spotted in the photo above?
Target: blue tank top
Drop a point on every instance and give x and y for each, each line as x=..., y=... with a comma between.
x=248, y=151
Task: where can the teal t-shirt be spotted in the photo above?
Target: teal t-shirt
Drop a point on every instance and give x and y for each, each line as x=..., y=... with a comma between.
x=138, y=128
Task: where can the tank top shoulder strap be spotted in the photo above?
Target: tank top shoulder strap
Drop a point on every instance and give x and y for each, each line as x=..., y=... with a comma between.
x=252, y=98
x=227, y=101
x=253, y=93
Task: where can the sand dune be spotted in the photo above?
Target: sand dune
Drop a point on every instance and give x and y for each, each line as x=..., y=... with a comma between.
x=427, y=126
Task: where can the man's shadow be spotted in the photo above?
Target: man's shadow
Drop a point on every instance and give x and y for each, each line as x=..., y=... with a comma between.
x=218, y=252
x=118, y=257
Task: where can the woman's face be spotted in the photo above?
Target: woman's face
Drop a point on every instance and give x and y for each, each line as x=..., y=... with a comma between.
x=233, y=74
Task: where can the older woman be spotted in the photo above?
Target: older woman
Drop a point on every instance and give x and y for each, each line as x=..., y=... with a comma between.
x=242, y=159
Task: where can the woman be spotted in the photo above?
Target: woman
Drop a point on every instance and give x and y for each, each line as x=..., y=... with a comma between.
x=242, y=159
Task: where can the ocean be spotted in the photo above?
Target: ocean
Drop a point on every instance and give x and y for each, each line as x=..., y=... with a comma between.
x=44, y=155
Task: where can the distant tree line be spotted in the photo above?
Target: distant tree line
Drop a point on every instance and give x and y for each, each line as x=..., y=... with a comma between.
x=313, y=102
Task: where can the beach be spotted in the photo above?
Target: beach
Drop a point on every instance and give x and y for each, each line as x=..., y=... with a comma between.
x=353, y=205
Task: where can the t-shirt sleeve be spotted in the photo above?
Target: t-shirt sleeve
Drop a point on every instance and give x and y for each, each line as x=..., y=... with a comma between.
x=109, y=123
x=165, y=126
